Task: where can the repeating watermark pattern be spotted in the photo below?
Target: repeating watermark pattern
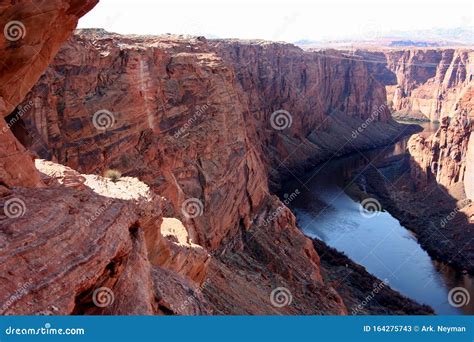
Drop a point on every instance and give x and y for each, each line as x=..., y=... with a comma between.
x=192, y=208
x=191, y=298
x=377, y=287
x=17, y=295
x=368, y=30
x=21, y=111
x=281, y=297
x=281, y=119
x=458, y=297
x=99, y=211
x=103, y=297
x=103, y=119
x=452, y=214
x=14, y=208
x=373, y=116
x=14, y=30
x=370, y=207
x=200, y=110
x=288, y=198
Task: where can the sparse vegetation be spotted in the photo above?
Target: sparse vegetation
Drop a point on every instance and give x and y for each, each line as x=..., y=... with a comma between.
x=113, y=174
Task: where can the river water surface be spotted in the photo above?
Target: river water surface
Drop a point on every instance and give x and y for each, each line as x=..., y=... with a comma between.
x=380, y=243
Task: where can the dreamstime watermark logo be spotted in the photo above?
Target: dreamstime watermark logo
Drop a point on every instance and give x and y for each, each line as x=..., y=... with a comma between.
x=368, y=30
x=377, y=287
x=46, y=330
x=103, y=297
x=103, y=119
x=281, y=119
x=21, y=110
x=14, y=207
x=17, y=295
x=370, y=207
x=99, y=211
x=192, y=298
x=287, y=199
x=281, y=297
x=458, y=296
x=199, y=111
x=453, y=213
x=373, y=116
x=192, y=207
x=14, y=30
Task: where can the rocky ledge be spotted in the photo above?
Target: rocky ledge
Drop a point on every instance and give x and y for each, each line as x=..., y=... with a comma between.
x=196, y=127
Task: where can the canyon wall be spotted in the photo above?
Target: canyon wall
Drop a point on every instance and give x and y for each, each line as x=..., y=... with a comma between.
x=33, y=33
x=328, y=98
x=424, y=83
x=446, y=156
x=430, y=189
x=184, y=122
x=73, y=243
x=200, y=232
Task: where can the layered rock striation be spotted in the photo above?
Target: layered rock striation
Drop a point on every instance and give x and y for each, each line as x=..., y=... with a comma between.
x=200, y=230
x=423, y=83
x=33, y=33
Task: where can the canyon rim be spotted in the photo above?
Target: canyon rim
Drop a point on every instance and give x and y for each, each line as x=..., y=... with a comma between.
x=142, y=174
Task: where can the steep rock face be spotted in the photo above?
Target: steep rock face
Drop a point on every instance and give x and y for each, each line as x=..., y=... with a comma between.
x=432, y=191
x=178, y=123
x=107, y=271
x=447, y=155
x=33, y=33
x=174, y=125
x=68, y=239
x=444, y=156
x=173, y=112
x=424, y=83
x=327, y=98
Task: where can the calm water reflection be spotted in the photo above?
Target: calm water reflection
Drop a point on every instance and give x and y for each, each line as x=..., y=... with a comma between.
x=381, y=244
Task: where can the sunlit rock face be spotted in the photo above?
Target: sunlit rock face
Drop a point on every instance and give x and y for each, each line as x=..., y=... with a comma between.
x=85, y=243
x=424, y=83
x=447, y=155
x=32, y=34
x=195, y=119
x=192, y=128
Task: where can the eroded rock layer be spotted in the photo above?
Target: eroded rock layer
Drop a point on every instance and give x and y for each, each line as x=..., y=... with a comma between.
x=189, y=118
x=424, y=83
x=33, y=33
x=196, y=126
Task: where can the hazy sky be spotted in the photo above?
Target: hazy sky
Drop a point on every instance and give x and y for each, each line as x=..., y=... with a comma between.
x=277, y=20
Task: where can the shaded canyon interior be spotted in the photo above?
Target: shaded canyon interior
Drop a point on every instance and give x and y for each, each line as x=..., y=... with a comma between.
x=191, y=119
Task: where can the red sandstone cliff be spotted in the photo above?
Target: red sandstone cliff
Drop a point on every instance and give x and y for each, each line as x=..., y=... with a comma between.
x=33, y=33
x=192, y=123
x=169, y=267
x=433, y=191
x=424, y=83
x=184, y=122
x=328, y=98
x=71, y=235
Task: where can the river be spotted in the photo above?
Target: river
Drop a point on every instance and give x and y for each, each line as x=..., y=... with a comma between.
x=380, y=243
